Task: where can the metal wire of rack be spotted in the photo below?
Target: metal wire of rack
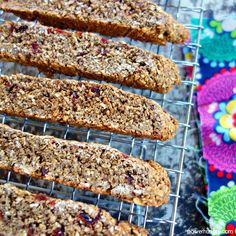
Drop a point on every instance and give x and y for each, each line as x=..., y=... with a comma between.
x=170, y=154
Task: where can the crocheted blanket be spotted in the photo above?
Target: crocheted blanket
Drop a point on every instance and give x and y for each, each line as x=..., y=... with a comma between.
x=216, y=104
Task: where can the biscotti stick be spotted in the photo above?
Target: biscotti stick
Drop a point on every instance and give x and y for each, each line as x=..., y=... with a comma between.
x=87, y=55
x=25, y=213
x=138, y=19
x=88, y=166
x=85, y=104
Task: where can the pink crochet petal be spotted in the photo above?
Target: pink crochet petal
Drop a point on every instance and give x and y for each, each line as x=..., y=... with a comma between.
x=218, y=146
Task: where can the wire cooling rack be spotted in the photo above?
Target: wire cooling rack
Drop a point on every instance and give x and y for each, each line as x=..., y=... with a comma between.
x=170, y=154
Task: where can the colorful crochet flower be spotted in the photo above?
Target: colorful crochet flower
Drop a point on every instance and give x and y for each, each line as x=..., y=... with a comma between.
x=216, y=105
x=226, y=120
x=217, y=25
x=222, y=210
x=227, y=25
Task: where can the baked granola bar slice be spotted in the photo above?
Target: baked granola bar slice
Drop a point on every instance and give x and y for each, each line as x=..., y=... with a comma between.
x=88, y=166
x=25, y=213
x=85, y=104
x=137, y=19
x=85, y=54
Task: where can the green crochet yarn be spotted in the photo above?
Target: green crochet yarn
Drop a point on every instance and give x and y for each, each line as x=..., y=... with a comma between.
x=218, y=28
x=222, y=208
x=216, y=46
x=219, y=48
x=233, y=34
x=217, y=25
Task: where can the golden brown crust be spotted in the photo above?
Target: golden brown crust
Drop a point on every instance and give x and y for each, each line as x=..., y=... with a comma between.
x=99, y=168
x=129, y=18
x=61, y=216
x=90, y=105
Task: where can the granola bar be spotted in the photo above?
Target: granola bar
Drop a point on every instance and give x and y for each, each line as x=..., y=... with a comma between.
x=85, y=104
x=137, y=19
x=88, y=166
x=25, y=213
x=85, y=54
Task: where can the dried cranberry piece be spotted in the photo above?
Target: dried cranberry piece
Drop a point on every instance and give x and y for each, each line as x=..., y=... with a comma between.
x=22, y=28
x=117, y=222
x=59, y=31
x=152, y=107
x=104, y=41
x=8, y=85
x=50, y=31
x=59, y=231
x=129, y=178
x=74, y=96
x=125, y=156
x=43, y=171
x=13, y=88
x=79, y=33
x=87, y=219
x=142, y=63
x=60, y=116
x=53, y=202
x=41, y=197
x=1, y=216
x=35, y=47
x=12, y=27
x=96, y=90
x=102, y=51
x=126, y=46
x=80, y=54
x=30, y=231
